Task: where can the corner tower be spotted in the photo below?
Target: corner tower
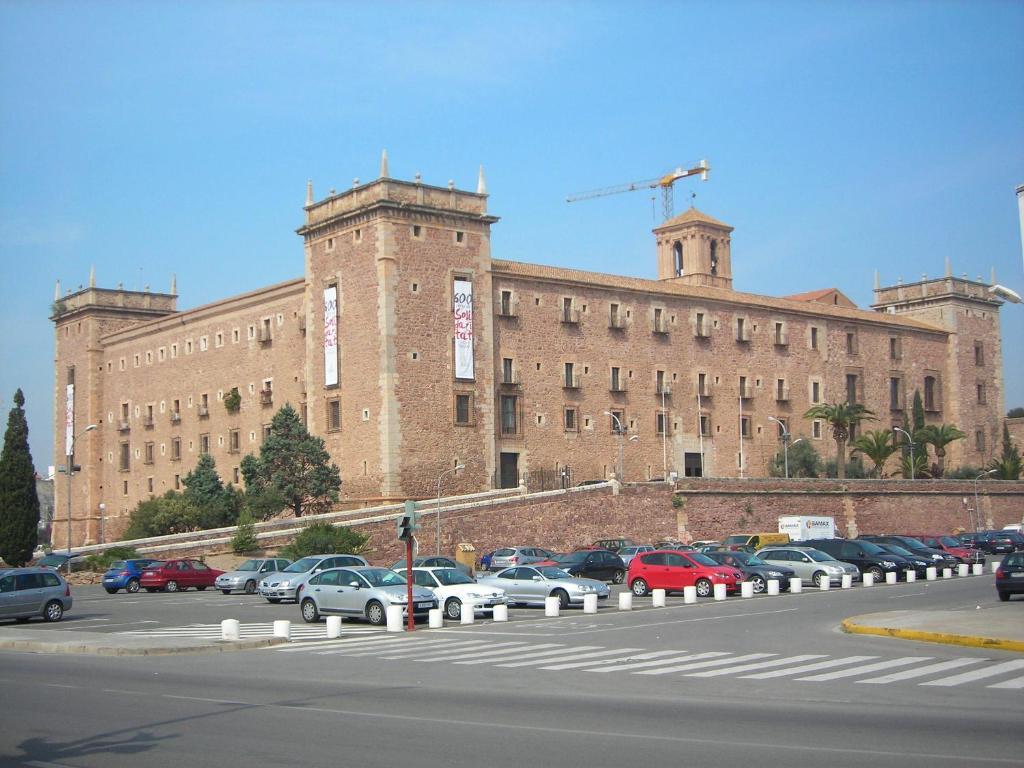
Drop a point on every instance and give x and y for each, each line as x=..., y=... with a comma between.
x=695, y=249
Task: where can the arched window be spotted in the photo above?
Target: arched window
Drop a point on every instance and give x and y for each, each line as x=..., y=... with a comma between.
x=677, y=255
x=714, y=257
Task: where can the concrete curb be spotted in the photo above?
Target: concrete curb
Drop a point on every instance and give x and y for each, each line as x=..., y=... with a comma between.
x=100, y=649
x=974, y=641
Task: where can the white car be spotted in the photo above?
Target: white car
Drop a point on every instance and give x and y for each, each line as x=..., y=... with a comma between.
x=453, y=589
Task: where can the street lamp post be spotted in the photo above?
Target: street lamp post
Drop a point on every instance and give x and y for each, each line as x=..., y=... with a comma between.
x=910, y=442
x=456, y=468
x=785, y=442
x=69, y=468
x=977, y=509
x=619, y=431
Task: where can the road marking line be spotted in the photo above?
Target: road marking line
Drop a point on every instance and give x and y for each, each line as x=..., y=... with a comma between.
x=200, y=698
x=337, y=643
x=900, y=662
x=572, y=655
x=484, y=657
x=978, y=674
x=631, y=657
x=909, y=674
x=1016, y=683
x=671, y=660
x=412, y=648
x=516, y=656
x=757, y=665
x=808, y=668
x=703, y=664
x=459, y=648
x=359, y=646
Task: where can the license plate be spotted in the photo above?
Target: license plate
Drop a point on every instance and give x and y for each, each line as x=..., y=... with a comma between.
x=1017, y=575
x=148, y=573
x=424, y=605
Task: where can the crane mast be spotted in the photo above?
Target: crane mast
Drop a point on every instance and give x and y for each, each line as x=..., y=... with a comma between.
x=665, y=182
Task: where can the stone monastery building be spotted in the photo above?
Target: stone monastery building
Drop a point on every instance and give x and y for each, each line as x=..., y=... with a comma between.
x=411, y=350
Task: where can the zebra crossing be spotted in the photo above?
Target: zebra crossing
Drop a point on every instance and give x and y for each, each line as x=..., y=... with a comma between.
x=596, y=659
x=246, y=631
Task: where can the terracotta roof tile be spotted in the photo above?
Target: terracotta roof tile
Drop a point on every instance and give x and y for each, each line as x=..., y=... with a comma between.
x=689, y=215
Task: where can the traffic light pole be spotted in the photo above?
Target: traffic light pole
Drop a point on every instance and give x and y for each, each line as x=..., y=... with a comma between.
x=411, y=624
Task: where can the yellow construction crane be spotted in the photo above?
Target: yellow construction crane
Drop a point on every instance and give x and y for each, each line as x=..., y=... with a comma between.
x=665, y=182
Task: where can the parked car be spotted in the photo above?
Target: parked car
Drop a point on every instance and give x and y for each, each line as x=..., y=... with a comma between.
x=431, y=562
x=755, y=570
x=454, y=590
x=866, y=555
x=914, y=560
x=284, y=584
x=628, y=553
x=939, y=558
x=674, y=545
x=810, y=564
x=747, y=542
x=1010, y=576
x=246, y=576
x=510, y=556
x=60, y=561
x=705, y=543
x=599, y=564
x=178, y=575
x=361, y=591
x=613, y=545
x=531, y=585
x=125, y=574
x=990, y=542
x=33, y=591
x=1016, y=537
x=952, y=545
x=673, y=570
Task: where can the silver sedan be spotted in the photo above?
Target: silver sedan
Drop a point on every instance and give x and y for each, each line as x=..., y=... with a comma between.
x=364, y=592
x=247, y=575
x=531, y=585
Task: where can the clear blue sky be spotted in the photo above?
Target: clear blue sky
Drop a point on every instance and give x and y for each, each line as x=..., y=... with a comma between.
x=151, y=138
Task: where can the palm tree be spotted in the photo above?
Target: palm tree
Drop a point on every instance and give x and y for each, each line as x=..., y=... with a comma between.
x=842, y=417
x=877, y=445
x=939, y=436
x=920, y=468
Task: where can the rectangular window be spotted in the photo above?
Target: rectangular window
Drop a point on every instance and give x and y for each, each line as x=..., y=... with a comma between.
x=699, y=329
x=851, y=388
x=702, y=385
x=509, y=415
x=660, y=424
x=570, y=420
x=234, y=441
x=204, y=443
x=979, y=440
x=572, y=381
x=781, y=337
x=506, y=371
x=851, y=342
x=745, y=426
x=175, y=449
x=979, y=353
x=744, y=388
x=931, y=398
x=781, y=390
x=783, y=428
x=816, y=430
x=895, y=394
x=742, y=334
x=333, y=415
x=814, y=337
x=463, y=409
x=659, y=383
x=266, y=431
x=660, y=326
x=177, y=483
x=148, y=453
x=506, y=303
x=149, y=484
x=705, y=425
x=815, y=392
x=126, y=457
x=618, y=422
x=980, y=389
x=613, y=316
x=895, y=348
x=616, y=381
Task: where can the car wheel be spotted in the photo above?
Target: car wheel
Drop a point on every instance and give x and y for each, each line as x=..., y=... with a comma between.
x=274, y=600
x=172, y=586
x=54, y=611
x=132, y=585
x=639, y=587
x=110, y=590
x=563, y=598
x=226, y=591
x=453, y=608
x=1004, y=596
x=618, y=577
x=250, y=587
x=876, y=573
x=760, y=585
x=817, y=577
x=310, y=614
x=375, y=613
x=704, y=588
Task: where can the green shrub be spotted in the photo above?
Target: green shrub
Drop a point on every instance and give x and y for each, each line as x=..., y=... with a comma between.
x=170, y=513
x=324, y=538
x=101, y=560
x=965, y=472
x=245, y=537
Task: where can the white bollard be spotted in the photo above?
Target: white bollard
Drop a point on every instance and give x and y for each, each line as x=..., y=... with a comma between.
x=625, y=601
x=773, y=586
x=995, y=565
x=500, y=613
x=847, y=581
x=947, y=573
x=978, y=569
x=466, y=616
x=333, y=627
x=868, y=579
x=930, y=573
x=658, y=598
x=590, y=603
x=689, y=595
x=796, y=585
x=395, y=618
x=720, y=592
x=747, y=589
x=229, y=629
x=283, y=628
x=911, y=576
x=962, y=569
x=435, y=618
x=825, y=584
x=890, y=578
x=552, y=605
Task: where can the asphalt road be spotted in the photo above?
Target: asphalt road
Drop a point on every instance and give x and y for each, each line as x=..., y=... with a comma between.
x=769, y=681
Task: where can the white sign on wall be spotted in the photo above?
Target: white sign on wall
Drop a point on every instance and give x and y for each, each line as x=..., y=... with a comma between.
x=462, y=304
x=69, y=421
x=331, y=336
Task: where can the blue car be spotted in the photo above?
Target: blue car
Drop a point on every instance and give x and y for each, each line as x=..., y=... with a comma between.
x=124, y=574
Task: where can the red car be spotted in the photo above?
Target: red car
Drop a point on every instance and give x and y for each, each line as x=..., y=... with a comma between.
x=952, y=545
x=672, y=570
x=177, y=575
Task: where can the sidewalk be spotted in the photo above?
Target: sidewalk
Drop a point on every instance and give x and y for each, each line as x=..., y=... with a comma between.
x=104, y=644
x=1000, y=628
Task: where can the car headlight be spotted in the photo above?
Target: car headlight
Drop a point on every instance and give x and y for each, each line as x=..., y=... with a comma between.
x=938, y=557
x=888, y=563
x=475, y=595
x=833, y=569
x=398, y=598
x=586, y=588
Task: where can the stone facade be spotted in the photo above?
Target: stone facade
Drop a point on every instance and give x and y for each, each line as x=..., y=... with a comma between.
x=555, y=352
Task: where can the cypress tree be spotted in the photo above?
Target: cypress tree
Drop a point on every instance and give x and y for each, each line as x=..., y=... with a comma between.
x=19, y=503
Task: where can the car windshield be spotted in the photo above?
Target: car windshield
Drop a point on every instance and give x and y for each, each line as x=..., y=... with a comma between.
x=949, y=541
x=897, y=550
x=735, y=540
x=53, y=560
x=910, y=543
x=382, y=577
x=550, y=572
x=1015, y=559
x=571, y=557
x=117, y=565
x=449, y=576
x=818, y=556
x=249, y=565
x=303, y=565
x=700, y=559
x=870, y=549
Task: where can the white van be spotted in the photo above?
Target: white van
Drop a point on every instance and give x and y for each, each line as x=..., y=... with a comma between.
x=803, y=527
x=1014, y=527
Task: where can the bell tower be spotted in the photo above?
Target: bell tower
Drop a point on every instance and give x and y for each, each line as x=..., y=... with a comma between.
x=695, y=249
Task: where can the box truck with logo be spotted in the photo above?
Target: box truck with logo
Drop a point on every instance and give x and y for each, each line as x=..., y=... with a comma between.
x=802, y=527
